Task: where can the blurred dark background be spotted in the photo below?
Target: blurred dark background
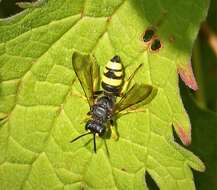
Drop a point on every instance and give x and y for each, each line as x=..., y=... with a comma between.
x=200, y=105
x=9, y=8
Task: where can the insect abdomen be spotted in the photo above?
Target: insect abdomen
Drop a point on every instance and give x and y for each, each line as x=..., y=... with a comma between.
x=112, y=79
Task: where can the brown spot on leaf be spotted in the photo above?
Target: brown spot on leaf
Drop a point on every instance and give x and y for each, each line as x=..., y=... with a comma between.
x=82, y=13
x=109, y=19
x=123, y=169
x=171, y=39
x=162, y=18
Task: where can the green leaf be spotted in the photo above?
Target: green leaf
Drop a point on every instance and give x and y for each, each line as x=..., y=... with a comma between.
x=42, y=104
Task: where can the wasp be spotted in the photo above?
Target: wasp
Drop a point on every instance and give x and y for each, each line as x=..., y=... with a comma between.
x=103, y=103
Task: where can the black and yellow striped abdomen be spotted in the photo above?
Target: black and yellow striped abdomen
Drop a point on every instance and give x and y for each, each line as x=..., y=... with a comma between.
x=112, y=79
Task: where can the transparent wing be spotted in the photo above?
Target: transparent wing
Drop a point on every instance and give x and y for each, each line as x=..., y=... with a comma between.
x=87, y=72
x=95, y=73
x=137, y=95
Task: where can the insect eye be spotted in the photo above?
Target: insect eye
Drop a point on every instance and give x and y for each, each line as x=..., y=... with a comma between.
x=88, y=125
x=148, y=35
x=156, y=44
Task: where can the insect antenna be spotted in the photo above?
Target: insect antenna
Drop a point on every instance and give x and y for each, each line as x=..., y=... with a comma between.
x=75, y=139
x=94, y=142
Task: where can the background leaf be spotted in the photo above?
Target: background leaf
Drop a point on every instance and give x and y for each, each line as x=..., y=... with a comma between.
x=39, y=101
x=201, y=105
x=204, y=137
x=205, y=61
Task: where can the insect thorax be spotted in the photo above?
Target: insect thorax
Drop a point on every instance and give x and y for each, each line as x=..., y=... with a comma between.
x=103, y=108
x=113, y=75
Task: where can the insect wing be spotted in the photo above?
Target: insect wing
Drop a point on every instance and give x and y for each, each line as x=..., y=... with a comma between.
x=136, y=96
x=87, y=72
x=95, y=70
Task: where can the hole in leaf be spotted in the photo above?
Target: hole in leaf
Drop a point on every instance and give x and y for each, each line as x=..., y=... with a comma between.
x=148, y=35
x=150, y=182
x=156, y=45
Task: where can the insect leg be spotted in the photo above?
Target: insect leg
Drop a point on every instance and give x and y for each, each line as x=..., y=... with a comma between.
x=78, y=95
x=84, y=120
x=127, y=82
x=112, y=122
x=138, y=110
x=113, y=129
x=94, y=142
x=106, y=147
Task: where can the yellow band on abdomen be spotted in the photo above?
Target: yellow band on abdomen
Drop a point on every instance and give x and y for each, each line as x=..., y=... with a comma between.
x=111, y=82
x=114, y=65
x=118, y=73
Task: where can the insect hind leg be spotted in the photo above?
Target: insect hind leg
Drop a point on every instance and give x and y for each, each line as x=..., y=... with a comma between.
x=94, y=142
x=128, y=81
